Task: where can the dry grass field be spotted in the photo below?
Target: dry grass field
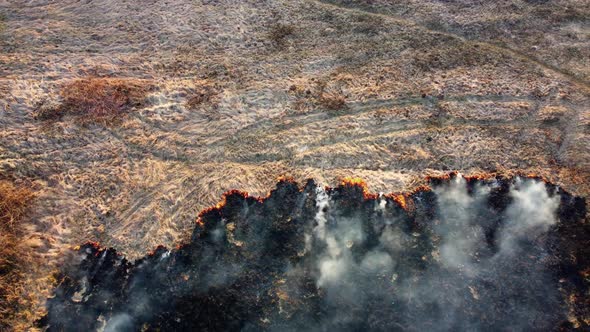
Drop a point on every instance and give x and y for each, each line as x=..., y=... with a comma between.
x=126, y=118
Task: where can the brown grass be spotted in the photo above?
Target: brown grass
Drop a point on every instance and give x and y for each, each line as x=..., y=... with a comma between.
x=332, y=101
x=319, y=95
x=14, y=305
x=97, y=99
x=279, y=32
x=2, y=24
x=204, y=95
x=453, y=54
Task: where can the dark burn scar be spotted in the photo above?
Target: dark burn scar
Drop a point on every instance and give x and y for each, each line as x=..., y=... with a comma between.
x=463, y=254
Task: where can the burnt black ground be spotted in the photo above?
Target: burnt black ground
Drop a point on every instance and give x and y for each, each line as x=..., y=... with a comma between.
x=258, y=264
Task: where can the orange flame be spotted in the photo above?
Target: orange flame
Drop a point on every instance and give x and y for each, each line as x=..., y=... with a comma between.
x=153, y=252
x=217, y=207
x=446, y=176
x=360, y=183
x=422, y=188
x=478, y=176
x=351, y=182
x=286, y=178
x=400, y=200
x=94, y=244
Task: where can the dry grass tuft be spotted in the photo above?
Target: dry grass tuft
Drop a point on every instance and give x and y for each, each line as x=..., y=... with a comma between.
x=2, y=24
x=332, y=101
x=14, y=305
x=321, y=94
x=204, y=95
x=97, y=99
x=13, y=204
x=279, y=32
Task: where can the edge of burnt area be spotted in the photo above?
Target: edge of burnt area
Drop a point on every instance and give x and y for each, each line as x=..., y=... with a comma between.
x=568, y=240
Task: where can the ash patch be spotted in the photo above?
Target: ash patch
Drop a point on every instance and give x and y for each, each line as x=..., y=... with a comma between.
x=499, y=254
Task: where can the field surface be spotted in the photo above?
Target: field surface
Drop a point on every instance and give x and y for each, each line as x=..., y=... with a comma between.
x=124, y=119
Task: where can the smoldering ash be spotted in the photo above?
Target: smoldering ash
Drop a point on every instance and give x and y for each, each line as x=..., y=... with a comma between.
x=464, y=254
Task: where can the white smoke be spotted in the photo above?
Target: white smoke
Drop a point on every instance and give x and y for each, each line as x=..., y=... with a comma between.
x=322, y=203
x=335, y=262
x=531, y=214
x=119, y=323
x=461, y=250
x=377, y=262
x=460, y=234
x=382, y=203
x=394, y=240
